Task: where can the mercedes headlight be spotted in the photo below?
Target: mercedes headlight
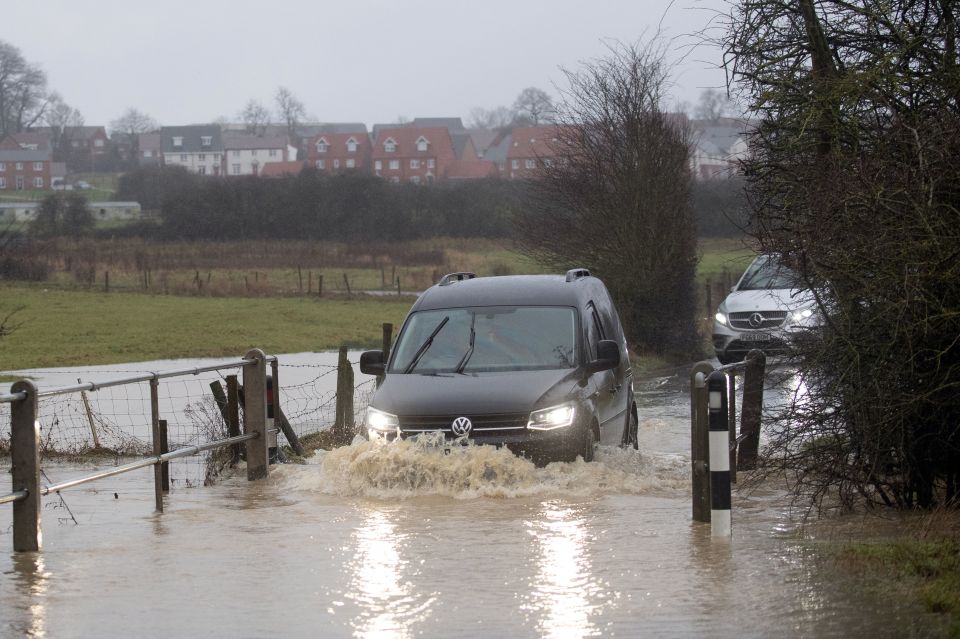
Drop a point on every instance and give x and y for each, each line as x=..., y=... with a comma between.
x=802, y=314
x=552, y=417
x=381, y=421
x=721, y=319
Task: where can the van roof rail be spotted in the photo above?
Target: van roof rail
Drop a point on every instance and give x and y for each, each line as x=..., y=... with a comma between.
x=575, y=274
x=450, y=278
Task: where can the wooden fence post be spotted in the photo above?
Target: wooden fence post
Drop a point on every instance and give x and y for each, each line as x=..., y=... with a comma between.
x=25, y=459
x=320, y=286
x=155, y=436
x=233, y=415
x=699, y=436
x=86, y=409
x=752, y=409
x=255, y=413
x=346, y=282
x=164, y=449
x=279, y=418
x=343, y=426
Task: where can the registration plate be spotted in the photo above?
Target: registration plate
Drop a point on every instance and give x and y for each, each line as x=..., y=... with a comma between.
x=755, y=337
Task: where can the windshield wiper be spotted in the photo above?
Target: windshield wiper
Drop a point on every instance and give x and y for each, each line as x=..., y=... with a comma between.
x=469, y=353
x=426, y=344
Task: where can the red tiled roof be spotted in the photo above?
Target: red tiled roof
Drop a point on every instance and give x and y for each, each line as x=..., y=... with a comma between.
x=281, y=169
x=471, y=169
x=439, y=144
x=338, y=141
x=534, y=141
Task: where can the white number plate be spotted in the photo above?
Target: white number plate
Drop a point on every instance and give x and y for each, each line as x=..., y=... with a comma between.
x=755, y=337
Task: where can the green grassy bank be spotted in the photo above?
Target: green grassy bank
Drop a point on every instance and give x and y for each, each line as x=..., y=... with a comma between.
x=73, y=328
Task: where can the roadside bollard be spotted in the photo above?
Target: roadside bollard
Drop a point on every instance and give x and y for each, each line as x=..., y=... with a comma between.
x=719, y=456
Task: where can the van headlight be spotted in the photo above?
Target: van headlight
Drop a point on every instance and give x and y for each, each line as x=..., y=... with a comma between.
x=801, y=314
x=381, y=421
x=552, y=417
x=721, y=319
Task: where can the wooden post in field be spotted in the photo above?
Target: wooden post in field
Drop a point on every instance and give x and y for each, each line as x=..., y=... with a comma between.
x=320, y=286
x=300, y=279
x=106, y=281
x=398, y=286
x=699, y=438
x=383, y=277
x=346, y=282
x=309, y=282
x=246, y=284
x=25, y=467
x=233, y=414
x=86, y=408
x=752, y=409
x=343, y=422
x=387, y=343
x=255, y=413
x=278, y=417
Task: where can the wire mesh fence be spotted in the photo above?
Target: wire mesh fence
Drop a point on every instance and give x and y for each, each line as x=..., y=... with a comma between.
x=116, y=421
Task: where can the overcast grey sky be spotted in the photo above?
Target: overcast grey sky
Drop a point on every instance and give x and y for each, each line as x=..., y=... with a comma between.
x=188, y=61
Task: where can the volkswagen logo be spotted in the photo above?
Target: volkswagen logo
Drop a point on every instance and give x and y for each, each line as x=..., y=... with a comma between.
x=756, y=320
x=461, y=426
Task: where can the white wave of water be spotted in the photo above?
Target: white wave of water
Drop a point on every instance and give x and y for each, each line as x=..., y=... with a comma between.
x=427, y=467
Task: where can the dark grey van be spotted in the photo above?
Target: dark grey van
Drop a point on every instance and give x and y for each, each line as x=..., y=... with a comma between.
x=537, y=363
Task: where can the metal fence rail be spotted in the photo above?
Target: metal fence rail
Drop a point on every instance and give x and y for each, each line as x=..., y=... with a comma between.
x=25, y=440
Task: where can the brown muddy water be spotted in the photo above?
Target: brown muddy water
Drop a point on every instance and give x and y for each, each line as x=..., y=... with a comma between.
x=404, y=540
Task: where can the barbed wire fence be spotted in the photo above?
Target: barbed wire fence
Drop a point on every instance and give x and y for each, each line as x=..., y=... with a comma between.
x=116, y=421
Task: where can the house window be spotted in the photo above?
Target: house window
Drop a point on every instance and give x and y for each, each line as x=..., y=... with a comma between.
x=38, y=166
x=390, y=146
x=273, y=153
x=322, y=145
x=206, y=140
x=336, y=164
x=351, y=163
x=76, y=144
x=394, y=164
x=530, y=164
x=321, y=164
x=183, y=157
x=19, y=166
x=3, y=182
x=202, y=170
x=3, y=166
x=38, y=182
x=431, y=163
x=415, y=179
x=98, y=143
x=202, y=157
x=148, y=153
x=177, y=140
x=236, y=169
x=19, y=182
x=514, y=164
x=414, y=164
x=351, y=146
x=236, y=154
x=547, y=162
x=253, y=153
x=378, y=165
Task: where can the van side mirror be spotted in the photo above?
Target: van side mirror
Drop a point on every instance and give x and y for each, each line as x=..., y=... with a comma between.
x=371, y=363
x=608, y=356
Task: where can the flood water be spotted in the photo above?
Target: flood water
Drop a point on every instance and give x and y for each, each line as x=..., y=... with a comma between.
x=405, y=540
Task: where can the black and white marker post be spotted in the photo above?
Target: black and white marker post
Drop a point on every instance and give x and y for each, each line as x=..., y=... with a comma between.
x=719, y=456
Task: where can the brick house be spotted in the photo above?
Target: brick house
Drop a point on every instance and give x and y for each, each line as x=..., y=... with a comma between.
x=529, y=149
x=85, y=148
x=24, y=168
x=290, y=168
x=340, y=147
x=149, y=149
x=198, y=148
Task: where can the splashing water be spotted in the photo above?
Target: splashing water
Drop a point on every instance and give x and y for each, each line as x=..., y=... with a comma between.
x=428, y=465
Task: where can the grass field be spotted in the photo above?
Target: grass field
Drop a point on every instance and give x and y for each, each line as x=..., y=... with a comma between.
x=207, y=299
x=72, y=328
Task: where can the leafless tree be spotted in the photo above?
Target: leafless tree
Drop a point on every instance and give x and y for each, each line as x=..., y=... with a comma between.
x=496, y=118
x=255, y=116
x=853, y=179
x=713, y=105
x=535, y=105
x=132, y=123
x=291, y=110
x=614, y=197
x=58, y=116
x=23, y=91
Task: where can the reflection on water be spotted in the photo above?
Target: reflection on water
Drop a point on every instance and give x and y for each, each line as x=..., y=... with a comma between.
x=564, y=589
x=390, y=604
x=31, y=576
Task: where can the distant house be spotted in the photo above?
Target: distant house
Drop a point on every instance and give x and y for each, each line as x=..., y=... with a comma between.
x=340, y=147
x=289, y=168
x=530, y=149
x=85, y=148
x=149, y=149
x=24, y=168
x=246, y=154
x=408, y=154
x=197, y=148
x=720, y=145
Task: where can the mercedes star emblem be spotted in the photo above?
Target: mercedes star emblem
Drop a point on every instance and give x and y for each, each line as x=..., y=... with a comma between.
x=756, y=320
